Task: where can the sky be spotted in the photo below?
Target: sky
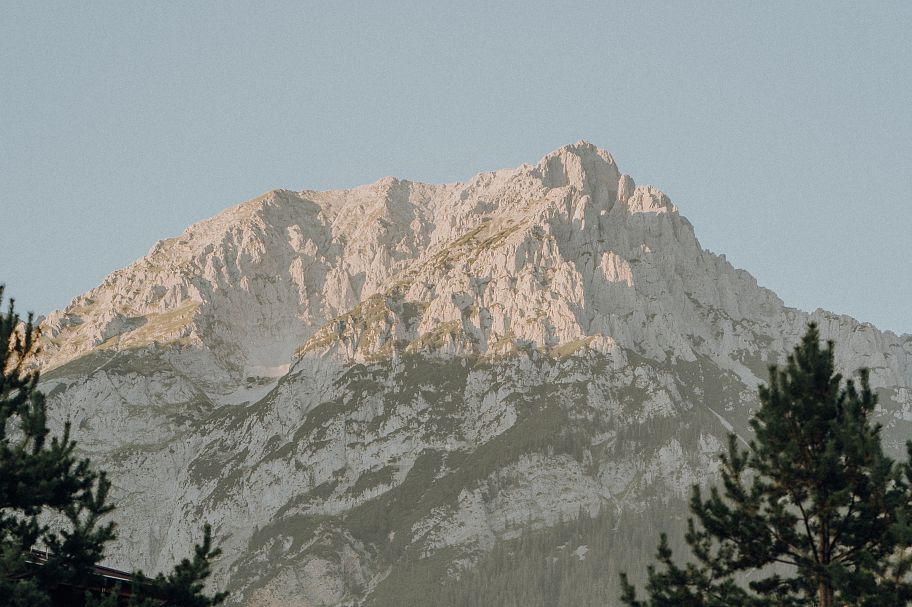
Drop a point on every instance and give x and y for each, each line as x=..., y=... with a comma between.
x=782, y=130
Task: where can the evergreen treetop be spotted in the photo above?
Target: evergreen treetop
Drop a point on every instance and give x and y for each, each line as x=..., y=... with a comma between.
x=813, y=508
x=41, y=478
x=41, y=474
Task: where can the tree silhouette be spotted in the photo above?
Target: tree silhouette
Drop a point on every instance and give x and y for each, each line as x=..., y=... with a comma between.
x=53, y=500
x=813, y=507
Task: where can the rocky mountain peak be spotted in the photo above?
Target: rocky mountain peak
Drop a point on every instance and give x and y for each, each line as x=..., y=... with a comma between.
x=568, y=250
x=581, y=165
x=366, y=389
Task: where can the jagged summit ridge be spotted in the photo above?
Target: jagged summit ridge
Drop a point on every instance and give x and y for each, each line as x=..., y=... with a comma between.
x=565, y=250
x=360, y=237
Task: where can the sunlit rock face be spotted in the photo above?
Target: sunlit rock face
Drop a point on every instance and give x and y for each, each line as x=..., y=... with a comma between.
x=363, y=388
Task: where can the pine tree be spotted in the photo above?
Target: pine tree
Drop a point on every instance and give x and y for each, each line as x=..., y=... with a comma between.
x=813, y=508
x=41, y=480
x=40, y=475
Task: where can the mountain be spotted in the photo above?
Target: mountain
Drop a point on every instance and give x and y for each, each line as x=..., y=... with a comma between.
x=420, y=394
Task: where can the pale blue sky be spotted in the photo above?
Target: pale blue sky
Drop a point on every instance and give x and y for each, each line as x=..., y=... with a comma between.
x=783, y=131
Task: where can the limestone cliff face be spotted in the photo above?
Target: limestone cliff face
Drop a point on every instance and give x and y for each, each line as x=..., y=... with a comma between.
x=346, y=381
